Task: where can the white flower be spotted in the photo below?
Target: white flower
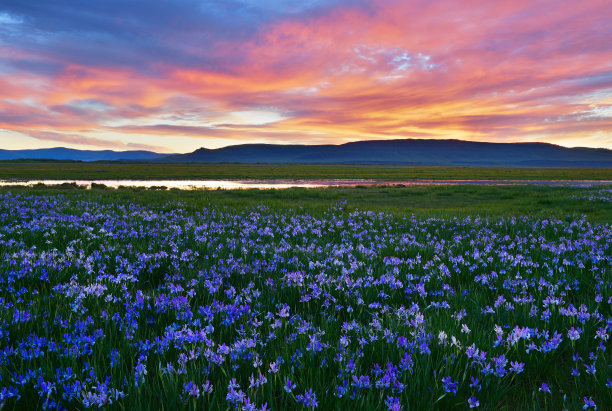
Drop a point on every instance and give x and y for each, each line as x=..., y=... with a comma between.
x=455, y=342
x=442, y=337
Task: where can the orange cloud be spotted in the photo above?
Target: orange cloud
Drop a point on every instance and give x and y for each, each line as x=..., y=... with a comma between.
x=488, y=71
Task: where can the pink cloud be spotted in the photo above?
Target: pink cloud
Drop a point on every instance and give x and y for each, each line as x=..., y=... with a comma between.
x=476, y=69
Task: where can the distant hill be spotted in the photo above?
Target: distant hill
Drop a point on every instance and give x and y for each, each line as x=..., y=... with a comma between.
x=61, y=153
x=425, y=152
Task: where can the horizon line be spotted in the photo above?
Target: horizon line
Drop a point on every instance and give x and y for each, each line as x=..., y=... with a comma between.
x=309, y=145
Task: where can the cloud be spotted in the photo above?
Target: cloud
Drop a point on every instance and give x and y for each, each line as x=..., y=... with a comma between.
x=307, y=71
x=80, y=140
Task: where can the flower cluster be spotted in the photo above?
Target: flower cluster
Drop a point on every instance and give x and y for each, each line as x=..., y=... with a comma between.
x=116, y=304
x=598, y=195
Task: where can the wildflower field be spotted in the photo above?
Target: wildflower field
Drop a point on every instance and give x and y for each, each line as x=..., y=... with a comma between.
x=109, y=302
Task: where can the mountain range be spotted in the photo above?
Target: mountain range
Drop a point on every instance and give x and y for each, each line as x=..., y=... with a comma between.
x=425, y=152
x=62, y=153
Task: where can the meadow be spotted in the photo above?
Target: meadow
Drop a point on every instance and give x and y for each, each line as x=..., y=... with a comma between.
x=364, y=298
x=155, y=171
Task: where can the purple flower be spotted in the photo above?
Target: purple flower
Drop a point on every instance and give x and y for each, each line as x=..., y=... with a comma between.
x=140, y=372
x=8, y=392
x=590, y=369
x=406, y=362
x=517, y=367
x=235, y=397
x=289, y=386
x=473, y=402
x=341, y=390
x=574, y=333
x=308, y=399
x=191, y=389
x=544, y=388
x=361, y=382
x=393, y=403
x=249, y=405
x=589, y=403
x=475, y=384
x=207, y=387
x=450, y=385
x=233, y=384
x=402, y=342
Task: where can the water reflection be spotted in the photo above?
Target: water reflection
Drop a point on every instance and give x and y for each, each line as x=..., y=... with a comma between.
x=280, y=184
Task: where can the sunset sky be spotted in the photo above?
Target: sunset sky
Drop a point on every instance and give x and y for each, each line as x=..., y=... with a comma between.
x=173, y=76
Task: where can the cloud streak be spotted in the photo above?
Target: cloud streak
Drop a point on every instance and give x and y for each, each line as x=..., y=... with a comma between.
x=306, y=72
x=80, y=140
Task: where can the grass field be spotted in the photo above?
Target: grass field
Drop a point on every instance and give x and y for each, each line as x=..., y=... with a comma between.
x=365, y=298
x=422, y=201
x=110, y=171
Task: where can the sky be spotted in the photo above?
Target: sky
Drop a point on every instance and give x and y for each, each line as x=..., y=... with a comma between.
x=173, y=76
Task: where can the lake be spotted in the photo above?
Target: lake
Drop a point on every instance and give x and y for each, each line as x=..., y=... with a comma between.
x=281, y=184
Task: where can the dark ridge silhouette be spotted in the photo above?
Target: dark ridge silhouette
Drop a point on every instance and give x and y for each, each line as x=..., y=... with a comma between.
x=424, y=152
x=417, y=152
x=62, y=153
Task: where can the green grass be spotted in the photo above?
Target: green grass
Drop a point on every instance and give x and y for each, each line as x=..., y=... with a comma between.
x=149, y=171
x=54, y=240
x=422, y=201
